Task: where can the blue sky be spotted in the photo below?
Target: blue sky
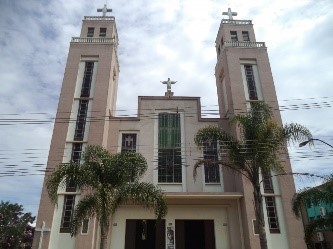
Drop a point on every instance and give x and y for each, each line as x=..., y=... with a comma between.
x=157, y=39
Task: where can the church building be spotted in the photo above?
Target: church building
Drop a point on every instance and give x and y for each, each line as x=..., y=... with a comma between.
x=213, y=211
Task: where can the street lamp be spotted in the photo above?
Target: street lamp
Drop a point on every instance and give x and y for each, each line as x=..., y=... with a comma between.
x=313, y=139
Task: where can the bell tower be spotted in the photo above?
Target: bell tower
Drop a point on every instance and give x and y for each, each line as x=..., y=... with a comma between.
x=243, y=76
x=242, y=71
x=88, y=96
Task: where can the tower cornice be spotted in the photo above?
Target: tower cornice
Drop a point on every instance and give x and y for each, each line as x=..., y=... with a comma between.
x=236, y=22
x=99, y=18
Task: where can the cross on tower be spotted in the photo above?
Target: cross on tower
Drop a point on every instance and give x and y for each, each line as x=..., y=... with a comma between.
x=104, y=10
x=230, y=14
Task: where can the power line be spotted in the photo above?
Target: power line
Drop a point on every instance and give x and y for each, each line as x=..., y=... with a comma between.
x=32, y=154
x=95, y=118
x=39, y=168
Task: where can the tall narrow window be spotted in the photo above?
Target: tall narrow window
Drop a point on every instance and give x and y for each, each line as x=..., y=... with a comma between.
x=85, y=226
x=212, y=171
x=87, y=79
x=128, y=142
x=169, y=148
x=67, y=213
x=75, y=157
x=81, y=120
x=255, y=227
x=76, y=152
x=246, y=36
x=273, y=221
x=225, y=96
x=233, y=35
x=102, y=32
x=90, y=32
x=251, y=80
x=267, y=183
x=251, y=84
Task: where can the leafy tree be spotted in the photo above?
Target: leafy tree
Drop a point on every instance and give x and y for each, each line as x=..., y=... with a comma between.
x=13, y=226
x=322, y=194
x=107, y=180
x=255, y=151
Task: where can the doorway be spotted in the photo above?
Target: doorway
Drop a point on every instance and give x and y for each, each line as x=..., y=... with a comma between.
x=145, y=234
x=197, y=234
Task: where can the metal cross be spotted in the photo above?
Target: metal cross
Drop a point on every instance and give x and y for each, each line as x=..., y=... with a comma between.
x=104, y=10
x=168, y=83
x=230, y=14
x=42, y=230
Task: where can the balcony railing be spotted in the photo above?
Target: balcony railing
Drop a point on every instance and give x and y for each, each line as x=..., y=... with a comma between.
x=103, y=40
x=237, y=22
x=99, y=18
x=239, y=44
x=242, y=44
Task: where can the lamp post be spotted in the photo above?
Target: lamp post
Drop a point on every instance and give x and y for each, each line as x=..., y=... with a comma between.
x=313, y=139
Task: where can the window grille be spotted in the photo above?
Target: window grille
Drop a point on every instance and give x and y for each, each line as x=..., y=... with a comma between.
x=267, y=183
x=75, y=157
x=102, y=32
x=169, y=148
x=251, y=84
x=87, y=79
x=67, y=213
x=246, y=36
x=212, y=170
x=76, y=152
x=81, y=120
x=90, y=32
x=128, y=142
x=233, y=35
x=273, y=221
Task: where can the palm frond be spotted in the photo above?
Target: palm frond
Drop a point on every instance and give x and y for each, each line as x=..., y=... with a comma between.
x=209, y=134
x=95, y=154
x=130, y=165
x=86, y=208
x=256, y=151
x=142, y=193
x=258, y=113
x=210, y=163
x=104, y=178
x=296, y=133
x=64, y=174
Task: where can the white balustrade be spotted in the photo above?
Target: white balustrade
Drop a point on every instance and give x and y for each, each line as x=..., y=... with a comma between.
x=93, y=40
x=237, y=22
x=99, y=18
x=244, y=44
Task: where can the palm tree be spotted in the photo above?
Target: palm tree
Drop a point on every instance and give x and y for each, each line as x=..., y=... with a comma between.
x=106, y=180
x=320, y=195
x=256, y=151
